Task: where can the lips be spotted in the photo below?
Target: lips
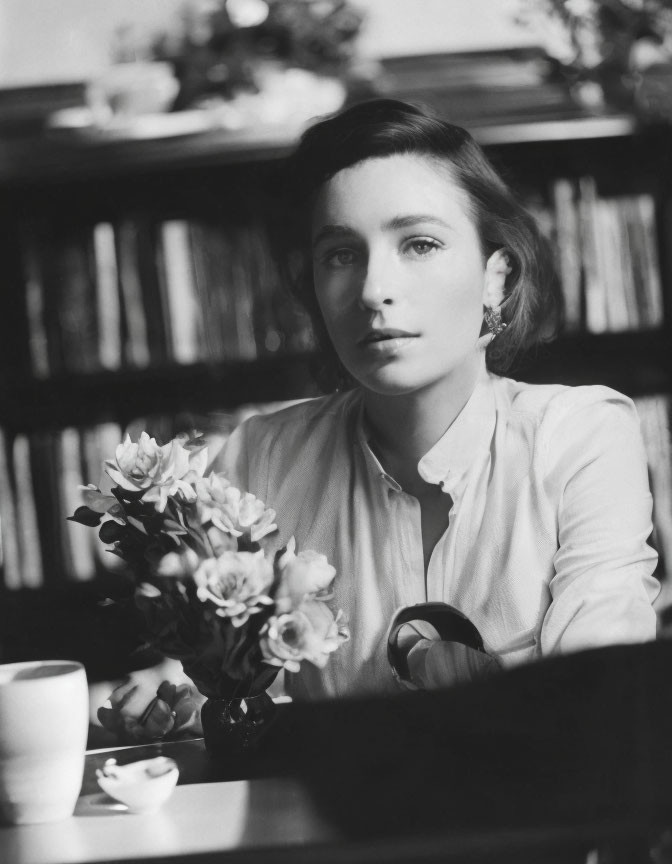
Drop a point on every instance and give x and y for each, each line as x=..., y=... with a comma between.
x=385, y=334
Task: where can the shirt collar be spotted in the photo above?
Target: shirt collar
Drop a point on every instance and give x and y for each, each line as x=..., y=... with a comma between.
x=466, y=440
x=446, y=464
x=372, y=462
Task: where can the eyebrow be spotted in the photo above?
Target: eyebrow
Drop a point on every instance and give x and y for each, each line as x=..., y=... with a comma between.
x=393, y=224
x=414, y=219
x=332, y=231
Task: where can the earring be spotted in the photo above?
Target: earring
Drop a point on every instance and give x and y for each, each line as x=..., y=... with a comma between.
x=493, y=320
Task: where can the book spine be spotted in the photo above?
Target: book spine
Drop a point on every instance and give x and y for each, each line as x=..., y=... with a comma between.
x=108, y=304
x=243, y=289
x=134, y=324
x=73, y=290
x=9, y=523
x=627, y=267
x=77, y=539
x=594, y=289
x=148, y=262
x=609, y=265
x=180, y=292
x=29, y=533
x=568, y=245
x=261, y=285
x=35, y=302
x=651, y=281
x=202, y=253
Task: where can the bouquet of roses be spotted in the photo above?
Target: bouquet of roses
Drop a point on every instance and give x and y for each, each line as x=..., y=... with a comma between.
x=210, y=590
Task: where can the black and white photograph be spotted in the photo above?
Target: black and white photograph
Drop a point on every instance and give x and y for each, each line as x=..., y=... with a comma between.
x=335, y=449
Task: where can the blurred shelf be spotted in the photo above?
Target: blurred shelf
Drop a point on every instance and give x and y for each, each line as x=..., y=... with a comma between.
x=637, y=364
x=69, y=155
x=61, y=155
x=570, y=129
x=85, y=399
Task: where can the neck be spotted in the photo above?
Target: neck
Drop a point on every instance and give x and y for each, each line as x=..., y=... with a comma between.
x=405, y=427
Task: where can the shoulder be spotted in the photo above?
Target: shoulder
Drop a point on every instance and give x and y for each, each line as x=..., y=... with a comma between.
x=276, y=438
x=552, y=406
x=307, y=419
x=267, y=446
x=581, y=420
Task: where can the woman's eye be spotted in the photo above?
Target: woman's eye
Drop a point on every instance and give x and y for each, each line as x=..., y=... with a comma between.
x=340, y=258
x=421, y=246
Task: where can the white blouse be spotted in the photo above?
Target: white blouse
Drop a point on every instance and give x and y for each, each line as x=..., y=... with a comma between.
x=546, y=550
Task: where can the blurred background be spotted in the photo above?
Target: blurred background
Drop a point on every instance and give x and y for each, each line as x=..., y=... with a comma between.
x=42, y=42
x=141, y=145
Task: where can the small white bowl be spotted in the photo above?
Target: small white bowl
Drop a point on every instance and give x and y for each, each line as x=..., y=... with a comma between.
x=142, y=786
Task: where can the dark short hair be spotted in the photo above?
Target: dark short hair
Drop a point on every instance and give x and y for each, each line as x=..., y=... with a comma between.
x=386, y=127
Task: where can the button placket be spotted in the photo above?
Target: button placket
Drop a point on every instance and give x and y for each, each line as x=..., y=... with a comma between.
x=410, y=530
x=435, y=576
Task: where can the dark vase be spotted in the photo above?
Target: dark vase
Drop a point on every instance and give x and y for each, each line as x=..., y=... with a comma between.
x=234, y=731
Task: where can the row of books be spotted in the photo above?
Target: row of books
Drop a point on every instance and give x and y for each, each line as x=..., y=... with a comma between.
x=607, y=256
x=39, y=488
x=40, y=475
x=141, y=293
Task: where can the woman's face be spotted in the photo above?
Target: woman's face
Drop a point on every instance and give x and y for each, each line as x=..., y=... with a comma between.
x=399, y=273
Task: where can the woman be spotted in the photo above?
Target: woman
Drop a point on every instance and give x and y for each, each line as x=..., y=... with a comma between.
x=427, y=476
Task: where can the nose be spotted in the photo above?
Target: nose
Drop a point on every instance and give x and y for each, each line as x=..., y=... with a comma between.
x=377, y=287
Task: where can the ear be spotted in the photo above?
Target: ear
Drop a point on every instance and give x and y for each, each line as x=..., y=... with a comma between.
x=497, y=269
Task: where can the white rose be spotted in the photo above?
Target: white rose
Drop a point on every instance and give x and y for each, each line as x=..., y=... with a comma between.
x=236, y=583
x=304, y=575
x=310, y=632
x=178, y=564
x=231, y=510
x=157, y=471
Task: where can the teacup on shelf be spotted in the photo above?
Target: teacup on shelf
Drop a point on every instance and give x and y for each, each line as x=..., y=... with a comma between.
x=142, y=786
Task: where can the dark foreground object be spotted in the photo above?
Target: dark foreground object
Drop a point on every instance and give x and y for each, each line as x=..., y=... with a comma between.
x=580, y=740
x=568, y=753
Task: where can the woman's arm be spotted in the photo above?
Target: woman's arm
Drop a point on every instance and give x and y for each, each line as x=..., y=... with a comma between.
x=603, y=588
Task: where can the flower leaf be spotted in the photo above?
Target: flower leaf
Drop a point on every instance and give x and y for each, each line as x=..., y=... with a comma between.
x=111, y=531
x=127, y=495
x=263, y=680
x=85, y=516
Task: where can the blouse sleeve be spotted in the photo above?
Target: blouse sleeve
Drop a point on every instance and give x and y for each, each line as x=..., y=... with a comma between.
x=603, y=588
x=230, y=455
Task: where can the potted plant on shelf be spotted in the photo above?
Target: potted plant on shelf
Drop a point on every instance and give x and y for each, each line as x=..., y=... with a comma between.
x=270, y=60
x=615, y=53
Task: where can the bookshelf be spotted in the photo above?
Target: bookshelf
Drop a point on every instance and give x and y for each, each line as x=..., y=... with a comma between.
x=57, y=184
x=67, y=377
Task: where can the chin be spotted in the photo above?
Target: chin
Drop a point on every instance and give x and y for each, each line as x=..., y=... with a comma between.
x=391, y=382
x=402, y=379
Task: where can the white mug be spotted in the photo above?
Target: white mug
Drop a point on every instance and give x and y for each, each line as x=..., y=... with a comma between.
x=44, y=719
